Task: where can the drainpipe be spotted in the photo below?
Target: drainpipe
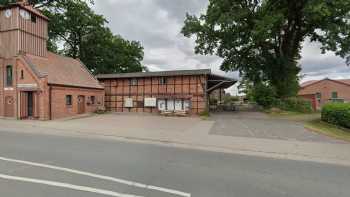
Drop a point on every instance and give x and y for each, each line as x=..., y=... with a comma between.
x=206, y=93
x=50, y=104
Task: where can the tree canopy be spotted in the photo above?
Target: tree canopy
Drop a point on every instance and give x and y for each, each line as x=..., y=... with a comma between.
x=77, y=31
x=263, y=38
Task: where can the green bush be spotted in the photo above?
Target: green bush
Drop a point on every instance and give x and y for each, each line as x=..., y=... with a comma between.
x=204, y=113
x=294, y=104
x=230, y=99
x=264, y=95
x=213, y=101
x=337, y=114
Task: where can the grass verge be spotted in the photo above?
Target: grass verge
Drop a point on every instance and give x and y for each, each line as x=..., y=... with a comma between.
x=328, y=129
x=294, y=116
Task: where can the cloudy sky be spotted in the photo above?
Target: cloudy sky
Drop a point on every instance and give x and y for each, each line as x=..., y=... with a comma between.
x=157, y=25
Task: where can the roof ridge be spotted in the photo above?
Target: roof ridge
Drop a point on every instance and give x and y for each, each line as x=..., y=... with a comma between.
x=312, y=82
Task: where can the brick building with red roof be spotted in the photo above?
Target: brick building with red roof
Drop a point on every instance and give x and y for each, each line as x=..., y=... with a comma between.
x=326, y=90
x=35, y=83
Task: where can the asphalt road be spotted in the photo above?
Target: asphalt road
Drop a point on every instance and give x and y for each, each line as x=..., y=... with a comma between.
x=34, y=165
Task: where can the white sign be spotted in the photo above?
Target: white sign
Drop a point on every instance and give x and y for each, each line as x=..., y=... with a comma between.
x=8, y=89
x=178, y=105
x=150, y=102
x=170, y=105
x=128, y=102
x=161, y=105
x=27, y=85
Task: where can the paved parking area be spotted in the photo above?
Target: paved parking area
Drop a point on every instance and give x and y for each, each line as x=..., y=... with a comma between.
x=242, y=133
x=260, y=125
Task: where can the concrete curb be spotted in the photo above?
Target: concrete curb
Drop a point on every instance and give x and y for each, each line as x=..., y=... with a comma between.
x=185, y=145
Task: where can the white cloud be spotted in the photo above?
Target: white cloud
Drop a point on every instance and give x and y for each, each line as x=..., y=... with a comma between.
x=157, y=25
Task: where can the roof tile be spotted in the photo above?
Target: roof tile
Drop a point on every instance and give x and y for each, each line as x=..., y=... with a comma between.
x=63, y=70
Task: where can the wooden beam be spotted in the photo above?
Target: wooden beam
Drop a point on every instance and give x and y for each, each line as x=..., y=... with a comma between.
x=215, y=86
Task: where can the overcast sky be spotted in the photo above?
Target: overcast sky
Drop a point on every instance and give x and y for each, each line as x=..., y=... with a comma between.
x=157, y=25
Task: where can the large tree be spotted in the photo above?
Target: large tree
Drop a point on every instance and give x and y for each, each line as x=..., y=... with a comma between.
x=263, y=38
x=77, y=31
x=86, y=36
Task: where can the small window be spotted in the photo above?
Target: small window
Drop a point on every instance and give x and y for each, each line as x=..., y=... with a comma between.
x=69, y=100
x=133, y=82
x=318, y=95
x=162, y=81
x=9, y=75
x=33, y=18
x=22, y=74
x=92, y=99
x=334, y=95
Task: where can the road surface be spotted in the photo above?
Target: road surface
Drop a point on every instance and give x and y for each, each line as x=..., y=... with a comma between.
x=36, y=165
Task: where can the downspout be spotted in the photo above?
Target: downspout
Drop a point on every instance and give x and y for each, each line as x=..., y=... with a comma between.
x=206, y=93
x=50, y=103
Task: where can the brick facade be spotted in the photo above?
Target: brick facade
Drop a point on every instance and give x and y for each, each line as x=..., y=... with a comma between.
x=177, y=89
x=323, y=91
x=35, y=73
x=59, y=107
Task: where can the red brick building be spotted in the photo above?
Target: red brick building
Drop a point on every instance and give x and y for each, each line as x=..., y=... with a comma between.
x=327, y=90
x=183, y=90
x=35, y=83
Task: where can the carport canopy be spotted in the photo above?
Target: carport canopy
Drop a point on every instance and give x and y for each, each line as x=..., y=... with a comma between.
x=219, y=82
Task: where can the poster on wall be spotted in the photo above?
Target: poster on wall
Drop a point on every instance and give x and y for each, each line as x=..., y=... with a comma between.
x=150, y=102
x=128, y=102
x=161, y=105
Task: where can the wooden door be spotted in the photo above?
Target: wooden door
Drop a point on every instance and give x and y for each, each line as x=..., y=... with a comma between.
x=23, y=105
x=30, y=104
x=9, y=106
x=81, y=104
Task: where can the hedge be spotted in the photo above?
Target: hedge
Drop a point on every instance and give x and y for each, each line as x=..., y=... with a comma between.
x=337, y=114
x=294, y=104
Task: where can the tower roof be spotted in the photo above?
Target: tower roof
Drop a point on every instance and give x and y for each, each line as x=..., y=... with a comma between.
x=26, y=6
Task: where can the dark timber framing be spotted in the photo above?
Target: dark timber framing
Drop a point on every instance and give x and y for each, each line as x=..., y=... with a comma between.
x=186, y=85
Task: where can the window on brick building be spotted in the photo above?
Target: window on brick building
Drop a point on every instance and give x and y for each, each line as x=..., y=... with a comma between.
x=93, y=100
x=133, y=82
x=69, y=100
x=9, y=75
x=22, y=74
x=334, y=95
x=162, y=81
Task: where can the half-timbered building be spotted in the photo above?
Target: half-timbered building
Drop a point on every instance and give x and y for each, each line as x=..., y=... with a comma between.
x=165, y=91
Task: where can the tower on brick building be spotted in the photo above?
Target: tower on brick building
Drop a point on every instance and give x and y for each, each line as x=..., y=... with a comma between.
x=36, y=83
x=23, y=29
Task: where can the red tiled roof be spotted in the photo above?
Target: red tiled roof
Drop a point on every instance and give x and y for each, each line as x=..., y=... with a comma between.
x=33, y=10
x=62, y=70
x=347, y=81
x=307, y=83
